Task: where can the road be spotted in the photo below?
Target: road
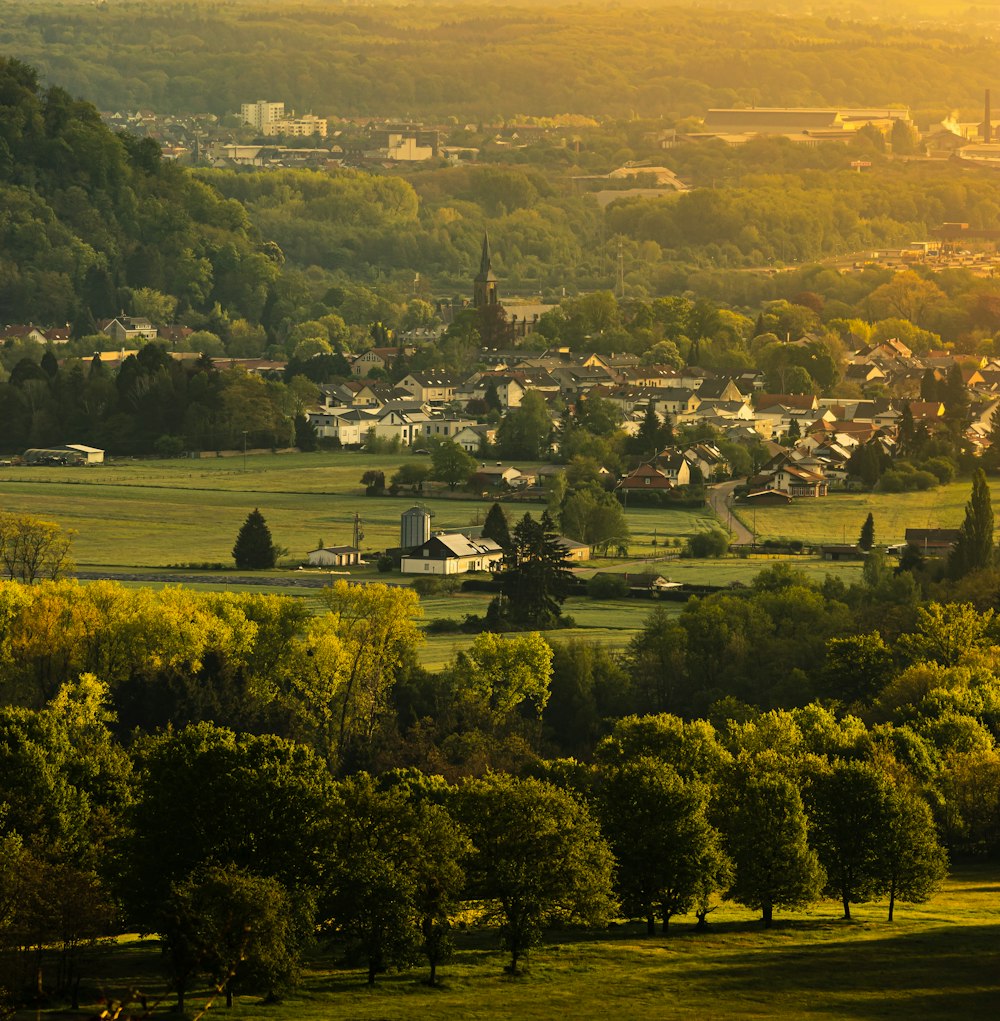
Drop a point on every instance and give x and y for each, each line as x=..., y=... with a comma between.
x=720, y=499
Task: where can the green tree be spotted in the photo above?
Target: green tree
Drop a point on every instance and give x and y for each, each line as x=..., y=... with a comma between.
x=974, y=549
x=911, y=861
x=254, y=549
x=867, y=537
x=765, y=834
x=535, y=579
x=393, y=875
x=245, y=931
x=669, y=857
x=495, y=527
x=847, y=815
x=32, y=549
x=525, y=432
x=540, y=858
x=505, y=672
x=451, y=464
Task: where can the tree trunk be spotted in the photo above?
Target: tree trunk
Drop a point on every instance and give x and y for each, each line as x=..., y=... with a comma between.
x=847, y=908
x=180, y=997
x=892, y=899
x=666, y=923
x=767, y=910
x=433, y=972
x=650, y=924
x=229, y=993
x=371, y=972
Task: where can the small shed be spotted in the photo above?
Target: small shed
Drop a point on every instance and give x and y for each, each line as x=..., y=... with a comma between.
x=334, y=556
x=89, y=455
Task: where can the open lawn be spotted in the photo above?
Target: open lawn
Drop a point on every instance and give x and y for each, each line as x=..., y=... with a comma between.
x=937, y=961
x=155, y=513
x=839, y=517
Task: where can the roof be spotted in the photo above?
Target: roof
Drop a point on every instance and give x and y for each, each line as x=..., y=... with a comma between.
x=459, y=545
x=335, y=549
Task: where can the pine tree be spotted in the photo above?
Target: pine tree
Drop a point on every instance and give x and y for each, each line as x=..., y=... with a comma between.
x=535, y=579
x=974, y=548
x=254, y=550
x=495, y=527
x=867, y=538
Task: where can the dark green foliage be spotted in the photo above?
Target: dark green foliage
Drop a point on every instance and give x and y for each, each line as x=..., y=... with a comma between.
x=765, y=833
x=451, y=464
x=607, y=585
x=867, y=537
x=713, y=543
x=495, y=527
x=540, y=858
x=974, y=549
x=535, y=579
x=254, y=549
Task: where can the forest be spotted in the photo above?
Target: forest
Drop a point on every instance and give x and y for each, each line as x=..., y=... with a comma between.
x=788, y=743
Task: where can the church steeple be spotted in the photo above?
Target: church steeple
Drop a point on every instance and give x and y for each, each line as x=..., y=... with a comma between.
x=485, y=285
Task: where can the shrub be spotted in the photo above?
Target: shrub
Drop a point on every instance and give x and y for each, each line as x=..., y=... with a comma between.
x=713, y=543
x=607, y=585
x=384, y=564
x=169, y=446
x=942, y=468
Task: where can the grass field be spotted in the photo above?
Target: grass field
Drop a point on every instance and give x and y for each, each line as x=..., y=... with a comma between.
x=937, y=961
x=156, y=513
x=839, y=517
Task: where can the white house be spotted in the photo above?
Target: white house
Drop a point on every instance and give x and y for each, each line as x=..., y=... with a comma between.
x=334, y=556
x=452, y=554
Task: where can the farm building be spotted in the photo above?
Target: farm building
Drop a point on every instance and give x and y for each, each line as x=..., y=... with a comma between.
x=334, y=556
x=452, y=554
x=69, y=453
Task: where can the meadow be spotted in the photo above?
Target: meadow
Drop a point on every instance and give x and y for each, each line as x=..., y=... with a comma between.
x=155, y=522
x=936, y=961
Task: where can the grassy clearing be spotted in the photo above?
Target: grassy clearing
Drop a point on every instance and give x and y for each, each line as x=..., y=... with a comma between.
x=155, y=513
x=937, y=961
x=839, y=517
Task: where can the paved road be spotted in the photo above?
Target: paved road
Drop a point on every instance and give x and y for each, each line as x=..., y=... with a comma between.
x=720, y=499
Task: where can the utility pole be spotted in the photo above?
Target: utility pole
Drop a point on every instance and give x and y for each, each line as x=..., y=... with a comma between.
x=359, y=532
x=244, y=450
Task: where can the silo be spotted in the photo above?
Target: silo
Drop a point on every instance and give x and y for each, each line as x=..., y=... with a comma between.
x=414, y=527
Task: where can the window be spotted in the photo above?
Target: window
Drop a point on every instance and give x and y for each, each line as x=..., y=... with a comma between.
x=427, y=552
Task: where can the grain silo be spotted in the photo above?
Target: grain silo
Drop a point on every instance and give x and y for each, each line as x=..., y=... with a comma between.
x=414, y=527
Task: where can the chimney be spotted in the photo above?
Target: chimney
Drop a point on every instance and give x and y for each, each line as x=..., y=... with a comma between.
x=987, y=121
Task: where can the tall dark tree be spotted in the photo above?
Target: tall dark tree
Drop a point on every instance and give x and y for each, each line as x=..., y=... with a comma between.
x=254, y=549
x=991, y=455
x=907, y=430
x=495, y=527
x=535, y=580
x=955, y=395
x=867, y=537
x=974, y=548
x=650, y=438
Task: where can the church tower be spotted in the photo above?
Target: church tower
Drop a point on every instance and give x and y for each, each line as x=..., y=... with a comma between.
x=485, y=286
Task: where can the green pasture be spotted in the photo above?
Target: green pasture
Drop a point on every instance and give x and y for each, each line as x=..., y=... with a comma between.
x=839, y=517
x=156, y=513
x=936, y=961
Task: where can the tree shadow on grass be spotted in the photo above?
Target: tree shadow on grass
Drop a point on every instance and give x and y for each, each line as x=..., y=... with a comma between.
x=940, y=973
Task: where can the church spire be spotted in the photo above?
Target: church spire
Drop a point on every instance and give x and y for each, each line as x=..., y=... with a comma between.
x=485, y=285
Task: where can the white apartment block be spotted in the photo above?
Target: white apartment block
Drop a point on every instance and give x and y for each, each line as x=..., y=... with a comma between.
x=262, y=114
x=300, y=127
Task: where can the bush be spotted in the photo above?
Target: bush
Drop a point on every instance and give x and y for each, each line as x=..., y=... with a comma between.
x=713, y=543
x=443, y=625
x=942, y=468
x=434, y=585
x=169, y=446
x=384, y=564
x=923, y=480
x=607, y=585
x=890, y=482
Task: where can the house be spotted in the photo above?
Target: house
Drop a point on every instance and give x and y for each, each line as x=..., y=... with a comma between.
x=646, y=477
x=334, y=556
x=935, y=542
x=444, y=426
x=572, y=550
x=473, y=438
x=22, y=332
x=768, y=497
x=800, y=482
x=676, y=400
x=452, y=554
x=381, y=358
x=708, y=459
x=648, y=581
x=497, y=477
x=430, y=387
x=129, y=329
x=675, y=466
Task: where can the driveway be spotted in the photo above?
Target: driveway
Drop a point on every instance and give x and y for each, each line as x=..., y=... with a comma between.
x=720, y=499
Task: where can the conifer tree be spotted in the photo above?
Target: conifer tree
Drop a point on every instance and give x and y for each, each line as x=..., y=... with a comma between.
x=254, y=549
x=495, y=527
x=974, y=548
x=867, y=538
